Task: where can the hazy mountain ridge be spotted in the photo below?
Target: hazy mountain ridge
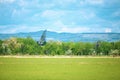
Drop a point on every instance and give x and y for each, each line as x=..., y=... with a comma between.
x=84, y=37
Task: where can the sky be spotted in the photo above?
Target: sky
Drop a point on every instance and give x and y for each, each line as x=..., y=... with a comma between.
x=74, y=16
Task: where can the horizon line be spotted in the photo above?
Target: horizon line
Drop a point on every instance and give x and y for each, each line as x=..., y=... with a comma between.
x=64, y=32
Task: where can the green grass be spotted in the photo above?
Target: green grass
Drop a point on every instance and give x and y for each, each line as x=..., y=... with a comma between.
x=59, y=68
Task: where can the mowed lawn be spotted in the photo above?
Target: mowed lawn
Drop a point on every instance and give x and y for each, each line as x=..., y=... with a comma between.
x=59, y=68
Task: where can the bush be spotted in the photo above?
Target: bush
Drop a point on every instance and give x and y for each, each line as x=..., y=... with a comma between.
x=114, y=52
x=23, y=46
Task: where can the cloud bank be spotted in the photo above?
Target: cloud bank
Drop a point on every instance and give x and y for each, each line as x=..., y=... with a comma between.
x=74, y=16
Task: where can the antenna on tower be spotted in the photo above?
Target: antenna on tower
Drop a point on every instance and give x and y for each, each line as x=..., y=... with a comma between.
x=42, y=40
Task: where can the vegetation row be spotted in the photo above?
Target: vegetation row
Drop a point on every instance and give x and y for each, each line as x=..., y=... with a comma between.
x=28, y=46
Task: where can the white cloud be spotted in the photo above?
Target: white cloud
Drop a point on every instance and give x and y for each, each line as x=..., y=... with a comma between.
x=35, y=4
x=95, y=1
x=46, y=5
x=66, y=1
x=55, y=26
x=87, y=14
x=19, y=28
x=22, y=3
x=59, y=26
x=52, y=14
x=27, y=3
x=108, y=30
x=80, y=29
x=61, y=15
x=7, y=1
x=92, y=2
x=7, y=29
x=19, y=13
x=15, y=12
x=68, y=14
x=116, y=14
x=24, y=28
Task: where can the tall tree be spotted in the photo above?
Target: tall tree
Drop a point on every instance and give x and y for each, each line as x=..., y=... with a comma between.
x=97, y=47
x=42, y=39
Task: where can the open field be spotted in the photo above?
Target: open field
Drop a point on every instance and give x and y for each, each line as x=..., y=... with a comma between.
x=36, y=68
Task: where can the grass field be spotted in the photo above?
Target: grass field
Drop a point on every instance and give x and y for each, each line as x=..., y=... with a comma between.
x=59, y=68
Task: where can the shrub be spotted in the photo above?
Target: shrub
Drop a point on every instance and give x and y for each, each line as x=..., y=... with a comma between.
x=29, y=46
x=114, y=52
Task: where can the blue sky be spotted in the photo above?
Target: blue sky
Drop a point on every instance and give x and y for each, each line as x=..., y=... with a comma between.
x=75, y=16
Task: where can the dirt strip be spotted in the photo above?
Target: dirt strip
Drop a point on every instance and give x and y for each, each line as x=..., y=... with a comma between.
x=41, y=56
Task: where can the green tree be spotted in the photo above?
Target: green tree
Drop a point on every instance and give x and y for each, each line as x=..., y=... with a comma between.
x=1, y=47
x=97, y=47
x=105, y=48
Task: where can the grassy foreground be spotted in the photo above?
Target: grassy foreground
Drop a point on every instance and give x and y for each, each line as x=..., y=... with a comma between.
x=59, y=68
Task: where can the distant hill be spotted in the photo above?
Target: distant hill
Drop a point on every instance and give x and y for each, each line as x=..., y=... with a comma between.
x=84, y=37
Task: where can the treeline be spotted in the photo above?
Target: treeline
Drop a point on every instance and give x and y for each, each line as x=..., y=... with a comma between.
x=28, y=46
